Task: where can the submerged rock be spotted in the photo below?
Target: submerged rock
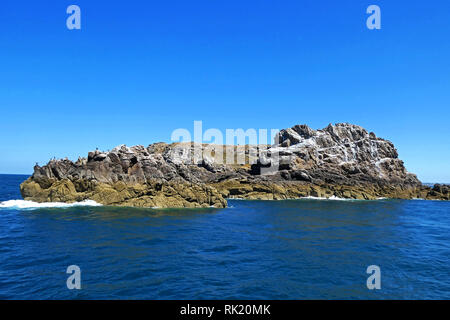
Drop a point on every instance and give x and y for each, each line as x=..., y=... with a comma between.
x=341, y=160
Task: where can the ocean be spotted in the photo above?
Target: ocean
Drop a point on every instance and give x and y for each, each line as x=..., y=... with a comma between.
x=295, y=249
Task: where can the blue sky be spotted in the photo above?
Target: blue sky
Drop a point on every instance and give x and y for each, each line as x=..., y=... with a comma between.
x=137, y=70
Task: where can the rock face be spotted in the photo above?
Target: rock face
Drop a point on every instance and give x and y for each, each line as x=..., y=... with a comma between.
x=341, y=160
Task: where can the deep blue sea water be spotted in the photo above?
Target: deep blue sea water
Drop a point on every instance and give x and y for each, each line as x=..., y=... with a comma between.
x=297, y=249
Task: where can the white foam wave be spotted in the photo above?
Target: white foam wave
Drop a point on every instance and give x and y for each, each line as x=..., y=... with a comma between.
x=26, y=204
x=339, y=199
x=333, y=198
x=324, y=198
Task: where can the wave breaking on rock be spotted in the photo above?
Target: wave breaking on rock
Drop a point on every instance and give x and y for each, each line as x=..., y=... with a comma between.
x=27, y=204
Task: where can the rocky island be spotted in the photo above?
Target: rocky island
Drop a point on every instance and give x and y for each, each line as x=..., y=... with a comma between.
x=342, y=160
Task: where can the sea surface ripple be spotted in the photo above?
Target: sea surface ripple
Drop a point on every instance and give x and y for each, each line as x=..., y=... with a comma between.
x=296, y=249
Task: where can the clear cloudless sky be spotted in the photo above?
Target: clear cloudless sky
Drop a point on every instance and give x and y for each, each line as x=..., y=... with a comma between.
x=137, y=70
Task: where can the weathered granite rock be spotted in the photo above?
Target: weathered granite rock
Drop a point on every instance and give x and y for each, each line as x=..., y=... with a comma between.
x=341, y=160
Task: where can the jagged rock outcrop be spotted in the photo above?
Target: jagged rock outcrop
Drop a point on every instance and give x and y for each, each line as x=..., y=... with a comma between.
x=341, y=160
